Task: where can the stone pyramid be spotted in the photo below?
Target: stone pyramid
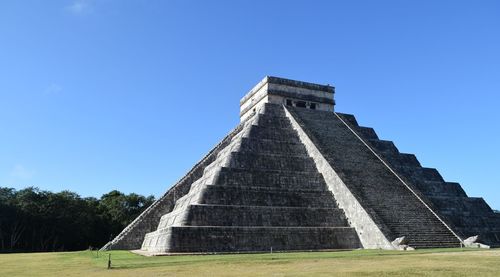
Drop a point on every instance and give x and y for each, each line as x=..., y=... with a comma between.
x=295, y=175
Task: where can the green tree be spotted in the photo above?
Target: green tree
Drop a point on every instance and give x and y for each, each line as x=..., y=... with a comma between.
x=121, y=209
x=36, y=220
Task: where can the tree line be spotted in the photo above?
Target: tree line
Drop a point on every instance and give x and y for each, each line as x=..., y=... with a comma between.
x=36, y=220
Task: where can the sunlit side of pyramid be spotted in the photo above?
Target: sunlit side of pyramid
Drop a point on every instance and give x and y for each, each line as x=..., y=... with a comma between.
x=295, y=175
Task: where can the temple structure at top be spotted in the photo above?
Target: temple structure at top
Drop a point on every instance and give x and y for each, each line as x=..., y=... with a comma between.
x=287, y=92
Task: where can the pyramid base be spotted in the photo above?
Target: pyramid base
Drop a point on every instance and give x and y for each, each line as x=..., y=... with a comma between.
x=210, y=239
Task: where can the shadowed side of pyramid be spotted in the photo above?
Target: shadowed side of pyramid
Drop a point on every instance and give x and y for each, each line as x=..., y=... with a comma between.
x=396, y=210
x=468, y=216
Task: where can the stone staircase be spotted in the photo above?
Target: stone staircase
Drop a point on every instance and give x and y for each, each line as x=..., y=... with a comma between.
x=394, y=207
x=262, y=192
x=468, y=216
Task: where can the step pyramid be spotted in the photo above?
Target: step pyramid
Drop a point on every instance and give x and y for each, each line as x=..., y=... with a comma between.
x=295, y=175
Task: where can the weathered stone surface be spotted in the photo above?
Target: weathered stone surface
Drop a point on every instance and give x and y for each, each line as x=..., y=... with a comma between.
x=215, y=239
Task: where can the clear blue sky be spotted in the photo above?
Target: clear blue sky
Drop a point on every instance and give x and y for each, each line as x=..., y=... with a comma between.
x=128, y=95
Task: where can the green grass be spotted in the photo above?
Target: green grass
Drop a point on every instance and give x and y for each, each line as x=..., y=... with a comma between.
x=433, y=262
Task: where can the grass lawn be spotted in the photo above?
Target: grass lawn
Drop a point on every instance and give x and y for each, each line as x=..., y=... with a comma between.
x=434, y=262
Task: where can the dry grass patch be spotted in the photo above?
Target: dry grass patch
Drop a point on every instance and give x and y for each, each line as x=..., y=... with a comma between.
x=436, y=262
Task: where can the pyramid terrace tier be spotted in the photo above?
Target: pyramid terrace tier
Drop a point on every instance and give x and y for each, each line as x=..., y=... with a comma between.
x=233, y=215
x=251, y=196
x=210, y=239
x=271, y=179
x=271, y=146
x=277, y=162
